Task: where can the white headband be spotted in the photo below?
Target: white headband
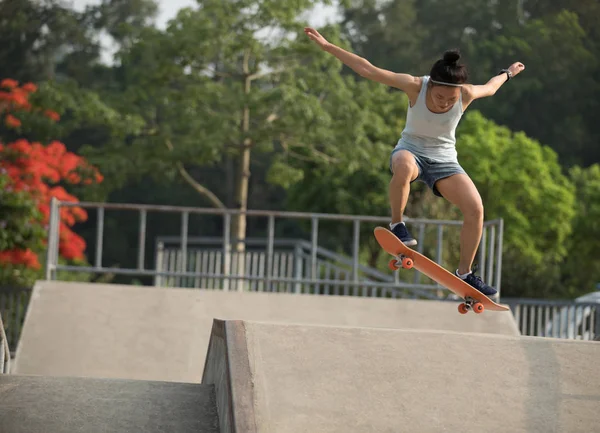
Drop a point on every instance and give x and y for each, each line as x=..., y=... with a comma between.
x=445, y=84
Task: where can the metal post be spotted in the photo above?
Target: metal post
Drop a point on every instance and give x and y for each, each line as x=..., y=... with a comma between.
x=4, y=350
x=226, y=250
x=55, y=245
x=160, y=251
x=185, y=217
x=298, y=270
x=420, y=245
x=270, y=242
x=499, y=255
x=490, y=258
x=440, y=247
x=482, y=251
x=440, y=243
x=142, y=239
x=52, y=235
x=355, y=251
x=99, y=236
x=313, y=247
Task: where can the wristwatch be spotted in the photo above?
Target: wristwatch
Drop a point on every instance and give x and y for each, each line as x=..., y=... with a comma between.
x=507, y=72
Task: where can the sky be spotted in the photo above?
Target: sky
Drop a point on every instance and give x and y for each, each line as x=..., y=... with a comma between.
x=319, y=16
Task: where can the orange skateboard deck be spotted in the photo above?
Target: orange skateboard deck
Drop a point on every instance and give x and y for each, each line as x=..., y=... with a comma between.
x=408, y=258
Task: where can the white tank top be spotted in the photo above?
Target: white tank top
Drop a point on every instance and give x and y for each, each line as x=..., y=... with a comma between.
x=429, y=134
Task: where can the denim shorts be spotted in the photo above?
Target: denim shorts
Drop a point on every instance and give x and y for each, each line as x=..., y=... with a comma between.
x=431, y=171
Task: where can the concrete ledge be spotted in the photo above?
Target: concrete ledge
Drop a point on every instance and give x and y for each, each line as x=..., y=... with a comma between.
x=310, y=378
x=227, y=368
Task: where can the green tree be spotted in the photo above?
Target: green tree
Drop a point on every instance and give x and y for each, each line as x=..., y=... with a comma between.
x=388, y=33
x=34, y=34
x=581, y=268
x=20, y=229
x=558, y=88
x=210, y=87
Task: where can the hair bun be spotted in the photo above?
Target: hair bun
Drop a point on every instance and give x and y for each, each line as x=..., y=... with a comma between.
x=451, y=56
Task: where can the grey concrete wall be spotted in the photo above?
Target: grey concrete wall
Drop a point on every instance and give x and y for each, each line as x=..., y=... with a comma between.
x=227, y=368
x=331, y=379
x=115, y=331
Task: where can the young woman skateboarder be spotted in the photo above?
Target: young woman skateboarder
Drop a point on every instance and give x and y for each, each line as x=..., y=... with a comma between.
x=426, y=151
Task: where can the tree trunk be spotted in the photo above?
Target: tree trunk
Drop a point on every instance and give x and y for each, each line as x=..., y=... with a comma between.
x=238, y=231
x=241, y=199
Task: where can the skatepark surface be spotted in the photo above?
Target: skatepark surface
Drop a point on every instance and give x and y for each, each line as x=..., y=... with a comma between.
x=33, y=404
x=109, y=358
x=337, y=379
x=149, y=333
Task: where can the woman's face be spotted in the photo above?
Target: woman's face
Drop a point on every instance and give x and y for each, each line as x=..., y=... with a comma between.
x=443, y=97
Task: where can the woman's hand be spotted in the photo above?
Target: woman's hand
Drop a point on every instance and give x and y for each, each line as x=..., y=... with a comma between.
x=515, y=68
x=316, y=36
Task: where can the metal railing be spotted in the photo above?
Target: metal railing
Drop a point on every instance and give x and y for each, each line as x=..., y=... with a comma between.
x=4, y=350
x=557, y=319
x=489, y=258
x=291, y=260
x=13, y=308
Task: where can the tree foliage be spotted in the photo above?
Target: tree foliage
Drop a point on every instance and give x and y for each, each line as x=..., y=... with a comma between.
x=33, y=174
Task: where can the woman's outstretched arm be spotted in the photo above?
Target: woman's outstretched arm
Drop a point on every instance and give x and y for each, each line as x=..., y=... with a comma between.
x=492, y=86
x=364, y=68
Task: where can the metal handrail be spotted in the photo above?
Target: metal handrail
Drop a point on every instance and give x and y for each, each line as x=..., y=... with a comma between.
x=556, y=318
x=4, y=350
x=263, y=213
x=492, y=252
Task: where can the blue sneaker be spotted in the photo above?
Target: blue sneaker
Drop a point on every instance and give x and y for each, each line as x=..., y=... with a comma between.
x=477, y=283
x=404, y=235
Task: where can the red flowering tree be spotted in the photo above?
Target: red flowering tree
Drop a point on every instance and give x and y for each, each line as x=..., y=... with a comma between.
x=31, y=174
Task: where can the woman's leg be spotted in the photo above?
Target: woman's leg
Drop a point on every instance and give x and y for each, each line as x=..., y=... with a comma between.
x=460, y=190
x=405, y=170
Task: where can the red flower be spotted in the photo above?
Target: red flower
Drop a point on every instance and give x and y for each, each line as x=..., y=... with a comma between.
x=20, y=257
x=19, y=97
x=8, y=83
x=29, y=87
x=39, y=170
x=52, y=115
x=12, y=121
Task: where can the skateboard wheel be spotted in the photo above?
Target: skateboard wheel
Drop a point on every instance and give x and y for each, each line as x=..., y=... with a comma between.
x=462, y=308
x=478, y=308
x=407, y=263
x=393, y=264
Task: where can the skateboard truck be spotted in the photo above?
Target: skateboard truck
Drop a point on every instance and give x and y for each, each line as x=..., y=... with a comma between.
x=470, y=304
x=400, y=261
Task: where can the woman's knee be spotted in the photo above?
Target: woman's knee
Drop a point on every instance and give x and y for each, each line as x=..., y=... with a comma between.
x=473, y=211
x=404, y=166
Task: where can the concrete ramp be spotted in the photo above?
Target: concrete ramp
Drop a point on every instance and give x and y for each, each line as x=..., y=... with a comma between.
x=302, y=379
x=30, y=404
x=148, y=333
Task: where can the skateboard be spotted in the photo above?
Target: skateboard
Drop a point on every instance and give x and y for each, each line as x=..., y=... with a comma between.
x=408, y=258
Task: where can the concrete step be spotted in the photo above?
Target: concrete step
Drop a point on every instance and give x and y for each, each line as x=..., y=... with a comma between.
x=34, y=404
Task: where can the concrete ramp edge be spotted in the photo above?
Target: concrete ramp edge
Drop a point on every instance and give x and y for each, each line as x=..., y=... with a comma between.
x=227, y=368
